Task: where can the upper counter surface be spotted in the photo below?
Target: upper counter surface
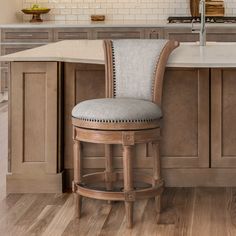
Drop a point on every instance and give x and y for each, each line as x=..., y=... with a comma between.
x=214, y=55
x=118, y=23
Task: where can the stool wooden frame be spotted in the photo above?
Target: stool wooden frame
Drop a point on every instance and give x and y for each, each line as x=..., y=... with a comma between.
x=126, y=134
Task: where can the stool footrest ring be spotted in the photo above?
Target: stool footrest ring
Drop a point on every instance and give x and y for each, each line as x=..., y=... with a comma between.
x=118, y=195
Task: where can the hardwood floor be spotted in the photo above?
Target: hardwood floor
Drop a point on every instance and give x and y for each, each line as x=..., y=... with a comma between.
x=186, y=211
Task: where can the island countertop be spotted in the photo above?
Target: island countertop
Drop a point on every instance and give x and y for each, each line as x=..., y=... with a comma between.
x=213, y=55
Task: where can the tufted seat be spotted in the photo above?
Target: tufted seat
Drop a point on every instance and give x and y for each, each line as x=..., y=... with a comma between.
x=136, y=112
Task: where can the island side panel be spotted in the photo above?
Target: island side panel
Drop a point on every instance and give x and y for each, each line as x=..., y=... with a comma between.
x=223, y=118
x=185, y=126
x=34, y=119
x=185, y=133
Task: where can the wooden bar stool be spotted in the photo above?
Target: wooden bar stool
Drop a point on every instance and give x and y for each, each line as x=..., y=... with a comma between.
x=130, y=114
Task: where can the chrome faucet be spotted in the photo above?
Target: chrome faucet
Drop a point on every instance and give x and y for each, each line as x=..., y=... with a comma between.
x=202, y=31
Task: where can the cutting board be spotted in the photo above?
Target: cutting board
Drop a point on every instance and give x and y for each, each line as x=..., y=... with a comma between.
x=194, y=8
x=213, y=8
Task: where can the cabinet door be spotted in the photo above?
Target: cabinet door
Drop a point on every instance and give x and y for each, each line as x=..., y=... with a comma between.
x=181, y=34
x=34, y=128
x=185, y=127
x=71, y=33
x=223, y=118
x=27, y=35
x=221, y=34
x=118, y=33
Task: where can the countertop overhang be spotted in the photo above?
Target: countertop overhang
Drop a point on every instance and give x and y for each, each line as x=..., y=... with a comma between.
x=214, y=55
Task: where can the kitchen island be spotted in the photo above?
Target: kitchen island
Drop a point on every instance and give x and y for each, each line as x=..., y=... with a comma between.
x=199, y=129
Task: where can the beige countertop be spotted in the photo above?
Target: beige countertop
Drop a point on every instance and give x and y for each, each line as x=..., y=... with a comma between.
x=115, y=24
x=213, y=55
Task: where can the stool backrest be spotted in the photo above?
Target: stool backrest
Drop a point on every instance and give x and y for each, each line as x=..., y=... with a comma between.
x=135, y=67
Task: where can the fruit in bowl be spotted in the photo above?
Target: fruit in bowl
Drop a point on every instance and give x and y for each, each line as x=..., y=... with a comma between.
x=36, y=11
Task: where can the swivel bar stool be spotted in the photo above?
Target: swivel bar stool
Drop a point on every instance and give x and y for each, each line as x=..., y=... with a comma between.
x=130, y=114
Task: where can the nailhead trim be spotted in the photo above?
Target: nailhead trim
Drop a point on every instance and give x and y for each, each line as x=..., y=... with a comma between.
x=113, y=68
x=117, y=121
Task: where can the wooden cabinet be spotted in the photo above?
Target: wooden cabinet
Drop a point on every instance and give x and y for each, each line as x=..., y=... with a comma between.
x=180, y=34
x=34, y=127
x=222, y=34
x=223, y=118
x=26, y=35
x=185, y=127
x=71, y=33
x=118, y=33
x=217, y=34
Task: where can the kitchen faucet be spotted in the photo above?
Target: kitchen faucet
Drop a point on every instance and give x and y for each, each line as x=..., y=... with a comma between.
x=202, y=31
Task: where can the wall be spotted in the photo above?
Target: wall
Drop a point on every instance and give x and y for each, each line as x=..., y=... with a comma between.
x=10, y=11
x=73, y=10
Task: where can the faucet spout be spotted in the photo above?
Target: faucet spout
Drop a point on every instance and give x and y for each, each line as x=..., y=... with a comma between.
x=203, y=23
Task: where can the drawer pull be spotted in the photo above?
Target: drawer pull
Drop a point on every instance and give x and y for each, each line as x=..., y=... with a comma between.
x=26, y=35
x=70, y=35
x=117, y=35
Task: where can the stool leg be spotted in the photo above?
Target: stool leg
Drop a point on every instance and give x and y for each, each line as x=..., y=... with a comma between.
x=157, y=172
x=109, y=168
x=128, y=182
x=77, y=176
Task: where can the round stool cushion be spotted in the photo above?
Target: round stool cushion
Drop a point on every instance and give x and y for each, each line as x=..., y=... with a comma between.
x=117, y=110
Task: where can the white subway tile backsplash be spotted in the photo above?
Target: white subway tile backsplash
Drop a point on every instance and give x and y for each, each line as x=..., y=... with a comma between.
x=72, y=10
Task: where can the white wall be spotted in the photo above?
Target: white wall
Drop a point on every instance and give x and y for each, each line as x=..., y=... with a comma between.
x=73, y=10
x=10, y=11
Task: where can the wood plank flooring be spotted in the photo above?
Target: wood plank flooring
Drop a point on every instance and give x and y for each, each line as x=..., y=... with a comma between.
x=186, y=211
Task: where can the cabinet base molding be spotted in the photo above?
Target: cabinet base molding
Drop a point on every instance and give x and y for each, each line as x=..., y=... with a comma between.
x=205, y=177
x=21, y=183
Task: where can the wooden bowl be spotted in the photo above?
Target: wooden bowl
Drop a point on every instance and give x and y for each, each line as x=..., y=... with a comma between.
x=97, y=17
x=36, y=14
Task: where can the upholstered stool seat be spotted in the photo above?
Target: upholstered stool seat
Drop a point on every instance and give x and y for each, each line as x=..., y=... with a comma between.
x=129, y=115
x=120, y=112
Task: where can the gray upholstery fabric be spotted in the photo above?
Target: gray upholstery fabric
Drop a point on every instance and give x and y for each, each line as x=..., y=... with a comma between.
x=117, y=110
x=134, y=64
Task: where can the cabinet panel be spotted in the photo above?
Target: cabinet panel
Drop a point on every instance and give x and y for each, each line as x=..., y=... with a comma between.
x=82, y=82
x=185, y=127
x=223, y=117
x=181, y=34
x=118, y=33
x=185, y=132
x=34, y=121
x=221, y=34
x=27, y=35
x=71, y=33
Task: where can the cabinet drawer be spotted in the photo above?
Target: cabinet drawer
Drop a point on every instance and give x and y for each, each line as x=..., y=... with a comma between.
x=27, y=35
x=181, y=35
x=9, y=48
x=71, y=33
x=118, y=33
